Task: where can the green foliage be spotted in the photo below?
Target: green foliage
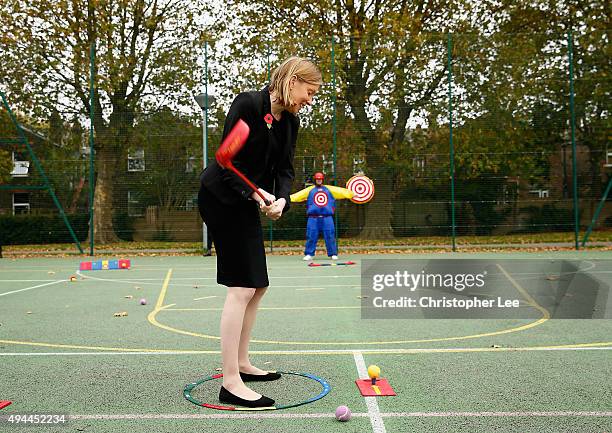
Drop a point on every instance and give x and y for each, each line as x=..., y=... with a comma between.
x=547, y=218
x=145, y=53
x=478, y=207
x=6, y=165
x=124, y=226
x=28, y=229
x=146, y=56
x=169, y=142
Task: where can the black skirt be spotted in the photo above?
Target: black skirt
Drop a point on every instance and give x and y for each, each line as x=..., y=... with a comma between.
x=238, y=237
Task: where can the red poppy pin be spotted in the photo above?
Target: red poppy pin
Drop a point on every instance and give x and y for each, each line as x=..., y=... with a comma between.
x=268, y=118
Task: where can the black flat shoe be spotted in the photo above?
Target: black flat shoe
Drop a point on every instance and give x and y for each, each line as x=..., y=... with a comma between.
x=227, y=397
x=246, y=377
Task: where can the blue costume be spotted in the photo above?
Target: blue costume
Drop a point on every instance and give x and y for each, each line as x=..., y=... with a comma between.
x=320, y=208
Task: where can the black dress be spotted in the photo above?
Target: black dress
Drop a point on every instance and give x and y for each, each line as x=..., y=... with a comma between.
x=231, y=216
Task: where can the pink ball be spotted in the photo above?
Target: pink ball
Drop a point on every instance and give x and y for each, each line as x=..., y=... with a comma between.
x=343, y=413
x=143, y=301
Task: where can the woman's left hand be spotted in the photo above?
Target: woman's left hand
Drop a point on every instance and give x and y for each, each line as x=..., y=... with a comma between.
x=276, y=209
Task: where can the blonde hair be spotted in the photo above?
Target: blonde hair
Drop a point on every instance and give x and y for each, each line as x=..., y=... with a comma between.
x=280, y=80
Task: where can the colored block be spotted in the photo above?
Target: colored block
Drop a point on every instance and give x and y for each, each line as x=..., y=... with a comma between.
x=4, y=403
x=104, y=264
x=381, y=389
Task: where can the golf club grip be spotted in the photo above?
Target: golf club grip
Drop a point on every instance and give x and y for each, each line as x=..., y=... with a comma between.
x=249, y=183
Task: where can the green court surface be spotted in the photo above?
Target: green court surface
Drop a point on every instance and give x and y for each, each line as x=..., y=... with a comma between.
x=62, y=351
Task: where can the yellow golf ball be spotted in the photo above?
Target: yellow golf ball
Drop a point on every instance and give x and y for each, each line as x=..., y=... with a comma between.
x=373, y=371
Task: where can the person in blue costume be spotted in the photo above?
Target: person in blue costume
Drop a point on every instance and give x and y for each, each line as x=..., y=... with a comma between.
x=320, y=208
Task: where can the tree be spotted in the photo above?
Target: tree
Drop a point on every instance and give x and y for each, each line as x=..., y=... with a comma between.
x=390, y=59
x=173, y=149
x=543, y=26
x=6, y=131
x=146, y=55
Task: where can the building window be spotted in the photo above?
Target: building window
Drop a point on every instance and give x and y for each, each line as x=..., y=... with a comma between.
x=419, y=163
x=135, y=207
x=541, y=193
x=21, y=167
x=308, y=163
x=190, y=166
x=328, y=165
x=358, y=164
x=191, y=203
x=608, y=158
x=136, y=160
x=21, y=203
x=509, y=193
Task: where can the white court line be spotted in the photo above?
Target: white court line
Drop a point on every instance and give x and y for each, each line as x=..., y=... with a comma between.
x=25, y=281
x=184, y=416
x=315, y=352
x=378, y=425
x=272, y=278
x=339, y=307
x=33, y=287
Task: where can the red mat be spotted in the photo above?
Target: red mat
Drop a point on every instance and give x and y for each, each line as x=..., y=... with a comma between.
x=381, y=389
x=311, y=264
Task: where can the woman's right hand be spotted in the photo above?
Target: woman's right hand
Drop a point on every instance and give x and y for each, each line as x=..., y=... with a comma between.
x=260, y=202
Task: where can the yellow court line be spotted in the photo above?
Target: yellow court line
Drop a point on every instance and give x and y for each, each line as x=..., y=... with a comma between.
x=319, y=352
x=99, y=348
x=526, y=295
x=160, y=307
x=319, y=307
x=152, y=318
x=162, y=294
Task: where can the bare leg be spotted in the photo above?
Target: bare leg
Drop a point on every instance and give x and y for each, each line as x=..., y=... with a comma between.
x=247, y=326
x=232, y=320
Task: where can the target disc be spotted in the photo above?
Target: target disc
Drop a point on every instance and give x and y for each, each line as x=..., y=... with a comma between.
x=320, y=199
x=363, y=187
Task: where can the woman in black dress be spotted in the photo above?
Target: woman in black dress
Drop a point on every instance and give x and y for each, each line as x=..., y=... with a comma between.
x=231, y=210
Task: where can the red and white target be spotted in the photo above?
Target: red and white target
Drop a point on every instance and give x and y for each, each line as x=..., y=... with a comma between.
x=320, y=199
x=363, y=187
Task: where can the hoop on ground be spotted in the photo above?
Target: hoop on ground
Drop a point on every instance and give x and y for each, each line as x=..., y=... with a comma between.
x=191, y=386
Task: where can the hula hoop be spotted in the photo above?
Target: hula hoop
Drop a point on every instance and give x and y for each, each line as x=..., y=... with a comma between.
x=191, y=386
